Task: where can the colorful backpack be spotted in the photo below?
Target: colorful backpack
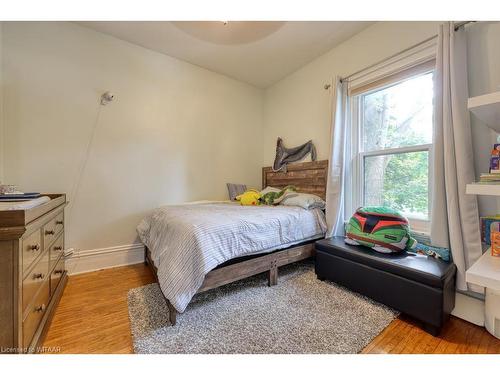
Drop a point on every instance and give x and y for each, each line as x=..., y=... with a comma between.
x=381, y=228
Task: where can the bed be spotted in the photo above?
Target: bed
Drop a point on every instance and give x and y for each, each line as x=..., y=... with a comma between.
x=192, y=248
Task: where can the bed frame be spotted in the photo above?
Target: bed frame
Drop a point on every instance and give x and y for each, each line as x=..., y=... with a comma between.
x=309, y=177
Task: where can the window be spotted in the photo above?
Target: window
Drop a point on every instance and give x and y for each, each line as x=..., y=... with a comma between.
x=392, y=133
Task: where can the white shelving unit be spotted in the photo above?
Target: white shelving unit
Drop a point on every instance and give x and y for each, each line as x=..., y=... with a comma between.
x=483, y=189
x=487, y=109
x=486, y=271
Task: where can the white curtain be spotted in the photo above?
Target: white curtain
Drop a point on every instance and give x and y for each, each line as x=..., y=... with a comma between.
x=336, y=168
x=455, y=219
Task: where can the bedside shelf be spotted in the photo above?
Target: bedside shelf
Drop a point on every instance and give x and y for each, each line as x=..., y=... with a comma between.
x=485, y=272
x=487, y=109
x=483, y=189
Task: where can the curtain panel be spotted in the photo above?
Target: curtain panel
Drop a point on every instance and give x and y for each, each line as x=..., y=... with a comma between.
x=455, y=216
x=335, y=190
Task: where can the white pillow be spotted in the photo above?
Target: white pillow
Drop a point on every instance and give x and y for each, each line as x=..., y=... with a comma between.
x=268, y=189
x=307, y=201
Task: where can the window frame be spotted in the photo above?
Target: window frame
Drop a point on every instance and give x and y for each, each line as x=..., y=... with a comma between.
x=357, y=159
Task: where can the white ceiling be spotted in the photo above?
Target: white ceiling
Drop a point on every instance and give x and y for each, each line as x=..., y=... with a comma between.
x=259, y=53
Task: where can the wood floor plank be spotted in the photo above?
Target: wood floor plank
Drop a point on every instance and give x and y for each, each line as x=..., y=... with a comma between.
x=92, y=317
x=405, y=331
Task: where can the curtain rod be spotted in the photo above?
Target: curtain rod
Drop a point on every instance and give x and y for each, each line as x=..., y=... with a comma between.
x=458, y=25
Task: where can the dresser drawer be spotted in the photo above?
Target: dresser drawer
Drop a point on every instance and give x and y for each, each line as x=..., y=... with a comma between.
x=34, y=279
x=56, y=250
x=31, y=249
x=56, y=274
x=52, y=229
x=36, y=312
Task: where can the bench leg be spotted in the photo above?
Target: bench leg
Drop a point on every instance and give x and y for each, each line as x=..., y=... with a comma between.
x=273, y=274
x=172, y=313
x=432, y=329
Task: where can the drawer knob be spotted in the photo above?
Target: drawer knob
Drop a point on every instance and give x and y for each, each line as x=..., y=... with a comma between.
x=38, y=276
x=35, y=247
x=47, y=232
x=59, y=222
x=58, y=248
x=40, y=308
x=58, y=272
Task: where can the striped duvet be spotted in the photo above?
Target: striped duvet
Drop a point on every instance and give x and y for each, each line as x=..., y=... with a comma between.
x=188, y=241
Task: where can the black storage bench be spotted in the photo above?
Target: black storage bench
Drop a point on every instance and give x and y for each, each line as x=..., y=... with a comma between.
x=417, y=285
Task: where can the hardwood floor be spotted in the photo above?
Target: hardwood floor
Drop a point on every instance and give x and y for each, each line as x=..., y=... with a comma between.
x=403, y=336
x=92, y=317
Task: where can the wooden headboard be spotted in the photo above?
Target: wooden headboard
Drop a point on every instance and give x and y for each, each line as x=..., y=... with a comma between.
x=309, y=177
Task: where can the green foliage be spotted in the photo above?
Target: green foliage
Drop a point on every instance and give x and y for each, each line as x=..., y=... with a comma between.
x=392, y=118
x=406, y=182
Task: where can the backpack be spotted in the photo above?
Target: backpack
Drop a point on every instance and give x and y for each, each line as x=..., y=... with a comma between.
x=381, y=228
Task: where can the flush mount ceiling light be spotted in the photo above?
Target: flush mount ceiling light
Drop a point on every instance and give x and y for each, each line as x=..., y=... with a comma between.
x=225, y=32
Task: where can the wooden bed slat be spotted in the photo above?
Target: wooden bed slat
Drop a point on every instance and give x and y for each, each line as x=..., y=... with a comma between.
x=234, y=272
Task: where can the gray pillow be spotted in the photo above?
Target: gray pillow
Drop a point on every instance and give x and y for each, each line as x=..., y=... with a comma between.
x=307, y=201
x=235, y=189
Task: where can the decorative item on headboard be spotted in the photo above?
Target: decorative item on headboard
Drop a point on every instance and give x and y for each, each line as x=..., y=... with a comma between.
x=288, y=155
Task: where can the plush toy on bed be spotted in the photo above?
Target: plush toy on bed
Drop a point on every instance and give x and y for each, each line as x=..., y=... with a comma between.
x=275, y=197
x=249, y=198
x=254, y=198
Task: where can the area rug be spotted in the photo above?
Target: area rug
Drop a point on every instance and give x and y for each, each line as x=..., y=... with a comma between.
x=299, y=315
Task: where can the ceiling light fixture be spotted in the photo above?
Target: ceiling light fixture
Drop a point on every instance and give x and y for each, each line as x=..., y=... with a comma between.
x=221, y=32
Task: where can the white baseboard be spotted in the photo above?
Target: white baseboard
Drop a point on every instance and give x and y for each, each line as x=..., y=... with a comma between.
x=108, y=257
x=469, y=308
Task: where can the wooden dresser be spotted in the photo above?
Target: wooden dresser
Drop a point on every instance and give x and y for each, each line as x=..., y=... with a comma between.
x=32, y=273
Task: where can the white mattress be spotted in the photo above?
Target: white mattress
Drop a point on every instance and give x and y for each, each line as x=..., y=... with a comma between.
x=188, y=241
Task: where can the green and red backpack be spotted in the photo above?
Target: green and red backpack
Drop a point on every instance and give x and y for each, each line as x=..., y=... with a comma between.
x=381, y=228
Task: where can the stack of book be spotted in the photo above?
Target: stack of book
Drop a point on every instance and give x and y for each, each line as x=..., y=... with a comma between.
x=489, y=178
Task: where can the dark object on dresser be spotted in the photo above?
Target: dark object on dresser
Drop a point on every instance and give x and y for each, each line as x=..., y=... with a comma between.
x=32, y=273
x=417, y=285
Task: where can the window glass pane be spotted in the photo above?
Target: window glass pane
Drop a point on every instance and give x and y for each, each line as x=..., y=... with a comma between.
x=399, y=115
x=399, y=181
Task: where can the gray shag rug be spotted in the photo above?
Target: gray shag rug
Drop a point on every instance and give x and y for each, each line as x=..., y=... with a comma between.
x=299, y=315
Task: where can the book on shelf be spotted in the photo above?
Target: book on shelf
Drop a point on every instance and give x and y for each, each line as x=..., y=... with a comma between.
x=489, y=178
x=488, y=182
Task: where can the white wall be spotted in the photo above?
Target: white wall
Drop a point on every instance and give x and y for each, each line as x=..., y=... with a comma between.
x=298, y=108
x=175, y=132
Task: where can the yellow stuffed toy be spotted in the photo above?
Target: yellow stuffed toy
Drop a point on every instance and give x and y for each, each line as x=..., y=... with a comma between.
x=249, y=198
